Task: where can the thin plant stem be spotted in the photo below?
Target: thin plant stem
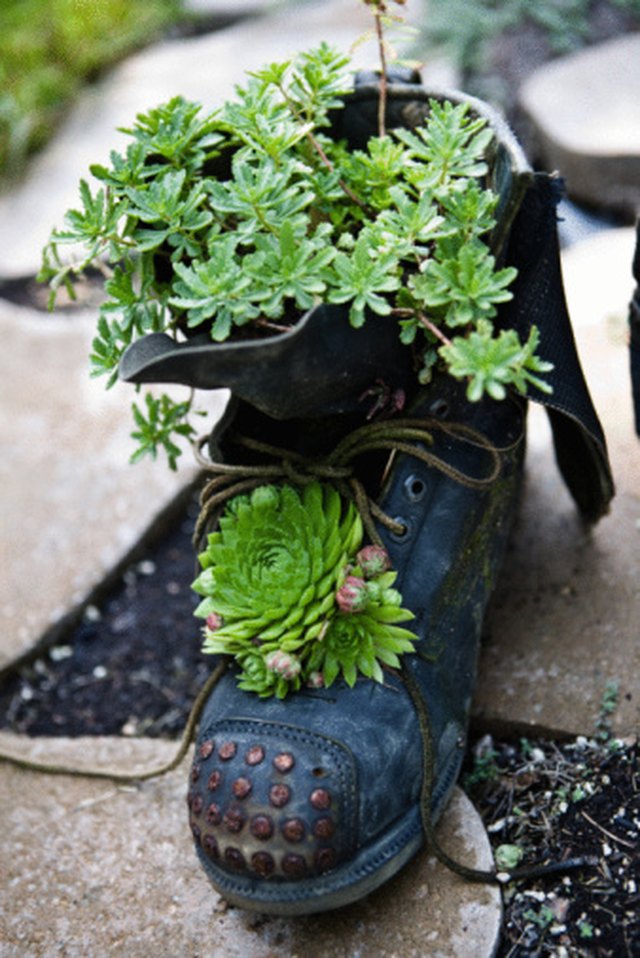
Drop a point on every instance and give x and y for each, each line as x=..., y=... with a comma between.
x=317, y=147
x=382, y=102
x=426, y=322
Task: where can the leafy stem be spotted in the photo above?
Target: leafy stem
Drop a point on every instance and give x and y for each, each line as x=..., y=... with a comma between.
x=379, y=11
x=382, y=53
x=318, y=149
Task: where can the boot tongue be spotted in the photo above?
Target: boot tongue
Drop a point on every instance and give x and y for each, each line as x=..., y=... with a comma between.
x=321, y=367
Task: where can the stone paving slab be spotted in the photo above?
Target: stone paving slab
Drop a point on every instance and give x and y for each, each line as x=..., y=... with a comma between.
x=585, y=111
x=205, y=69
x=71, y=505
x=95, y=869
x=228, y=8
x=565, y=619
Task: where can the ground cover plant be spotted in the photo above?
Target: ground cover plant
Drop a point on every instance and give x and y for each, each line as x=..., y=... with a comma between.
x=239, y=221
x=50, y=48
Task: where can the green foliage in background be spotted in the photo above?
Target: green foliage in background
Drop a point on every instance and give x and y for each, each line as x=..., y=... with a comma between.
x=465, y=27
x=48, y=48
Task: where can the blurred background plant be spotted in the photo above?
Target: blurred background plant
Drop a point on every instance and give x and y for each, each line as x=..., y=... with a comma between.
x=465, y=28
x=49, y=48
x=491, y=41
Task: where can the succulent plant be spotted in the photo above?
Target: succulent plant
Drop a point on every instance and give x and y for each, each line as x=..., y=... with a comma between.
x=363, y=641
x=277, y=581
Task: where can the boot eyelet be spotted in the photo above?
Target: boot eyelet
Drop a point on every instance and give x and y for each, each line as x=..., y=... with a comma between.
x=405, y=534
x=439, y=408
x=415, y=488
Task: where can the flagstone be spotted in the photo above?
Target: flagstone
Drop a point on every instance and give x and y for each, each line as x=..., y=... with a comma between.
x=565, y=620
x=71, y=504
x=93, y=868
x=585, y=112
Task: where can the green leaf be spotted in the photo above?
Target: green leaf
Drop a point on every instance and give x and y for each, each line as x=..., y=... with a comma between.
x=463, y=289
x=363, y=276
x=215, y=289
x=161, y=419
x=494, y=362
x=451, y=144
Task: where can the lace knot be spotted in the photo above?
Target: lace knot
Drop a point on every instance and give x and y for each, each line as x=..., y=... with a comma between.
x=412, y=437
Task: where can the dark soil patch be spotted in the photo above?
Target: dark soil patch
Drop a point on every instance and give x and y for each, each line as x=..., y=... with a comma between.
x=132, y=666
x=578, y=804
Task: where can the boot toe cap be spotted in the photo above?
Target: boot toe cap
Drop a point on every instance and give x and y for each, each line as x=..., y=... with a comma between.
x=270, y=801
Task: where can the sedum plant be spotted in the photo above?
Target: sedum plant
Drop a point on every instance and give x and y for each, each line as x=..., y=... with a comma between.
x=290, y=592
x=238, y=221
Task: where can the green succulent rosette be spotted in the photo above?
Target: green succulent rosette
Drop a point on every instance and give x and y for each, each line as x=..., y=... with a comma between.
x=283, y=592
x=361, y=642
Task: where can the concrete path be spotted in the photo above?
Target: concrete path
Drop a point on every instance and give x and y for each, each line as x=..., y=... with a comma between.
x=71, y=505
x=94, y=869
x=564, y=621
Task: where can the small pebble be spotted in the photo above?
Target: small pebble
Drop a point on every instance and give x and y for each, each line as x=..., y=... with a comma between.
x=536, y=895
x=60, y=652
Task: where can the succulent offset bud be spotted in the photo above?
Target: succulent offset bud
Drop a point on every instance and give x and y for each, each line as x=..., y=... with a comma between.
x=353, y=595
x=374, y=561
x=315, y=680
x=284, y=664
x=214, y=622
x=391, y=597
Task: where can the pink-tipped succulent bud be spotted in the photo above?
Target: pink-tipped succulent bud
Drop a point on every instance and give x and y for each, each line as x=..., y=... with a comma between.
x=373, y=560
x=315, y=680
x=353, y=595
x=284, y=664
x=214, y=622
